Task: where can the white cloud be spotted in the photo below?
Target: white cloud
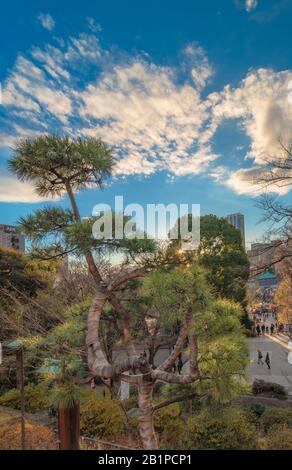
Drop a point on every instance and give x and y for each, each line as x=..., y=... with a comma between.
x=154, y=116
x=152, y=119
x=197, y=61
x=141, y=110
x=47, y=21
x=12, y=190
x=251, y=5
x=244, y=182
x=86, y=46
x=93, y=25
x=28, y=88
x=260, y=104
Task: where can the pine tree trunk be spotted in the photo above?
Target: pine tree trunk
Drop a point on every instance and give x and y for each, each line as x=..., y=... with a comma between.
x=146, y=422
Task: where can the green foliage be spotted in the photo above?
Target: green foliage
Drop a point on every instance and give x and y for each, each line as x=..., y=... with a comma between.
x=223, y=365
x=223, y=351
x=170, y=427
x=52, y=162
x=58, y=165
x=55, y=231
x=257, y=410
x=270, y=389
x=276, y=416
x=65, y=395
x=46, y=221
x=221, y=428
x=7, y=379
x=70, y=333
x=16, y=273
x=222, y=345
x=78, y=311
x=222, y=254
x=23, y=282
x=35, y=398
x=63, y=344
x=177, y=292
x=102, y=418
x=221, y=317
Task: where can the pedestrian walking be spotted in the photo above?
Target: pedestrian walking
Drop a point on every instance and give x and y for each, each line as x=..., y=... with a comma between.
x=260, y=358
x=258, y=330
x=263, y=329
x=272, y=328
x=267, y=330
x=268, y=360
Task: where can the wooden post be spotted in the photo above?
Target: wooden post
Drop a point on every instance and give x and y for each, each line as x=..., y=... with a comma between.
x=69, y=427
x=20, y=386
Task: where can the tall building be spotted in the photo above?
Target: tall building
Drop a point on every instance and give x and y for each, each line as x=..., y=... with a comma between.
x=11, y=239
x=237, y=220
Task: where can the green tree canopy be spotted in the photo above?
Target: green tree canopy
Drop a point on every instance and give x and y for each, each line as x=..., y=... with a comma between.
x=221, y=252
x=17, y=274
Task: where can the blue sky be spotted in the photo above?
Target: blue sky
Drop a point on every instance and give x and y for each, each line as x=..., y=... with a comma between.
x=192, y=95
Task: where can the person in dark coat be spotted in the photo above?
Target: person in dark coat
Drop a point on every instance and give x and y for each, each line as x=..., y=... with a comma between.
x=263, y=329
x=258, y=330
x=260, y=358
x=267, y=330
x=272, y=328
x=268, y=360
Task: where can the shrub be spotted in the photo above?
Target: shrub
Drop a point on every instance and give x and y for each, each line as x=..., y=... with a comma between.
x=273, y=417
x=65, y=395
x=279, y=439
x=37, y=437
x=102, y=418
x=221, y=428
x=35, y=397
x=254, y=412
x=257, y=409
x=270, y=389
x=170, y=427
x=7, y=380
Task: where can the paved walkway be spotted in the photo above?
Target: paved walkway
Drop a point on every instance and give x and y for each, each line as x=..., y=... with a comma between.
x=276, y=346
x=281, y=370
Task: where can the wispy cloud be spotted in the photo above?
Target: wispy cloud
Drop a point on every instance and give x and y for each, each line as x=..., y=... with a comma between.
x=250, y=5
x=47, y=21
x=93, y=25
x=261, y=107
x=12, y=190
x=156, y=117
x=142, y=109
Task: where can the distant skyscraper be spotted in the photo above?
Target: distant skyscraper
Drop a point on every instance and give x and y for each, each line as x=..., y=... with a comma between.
x=237, y=220
x=11, y=239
